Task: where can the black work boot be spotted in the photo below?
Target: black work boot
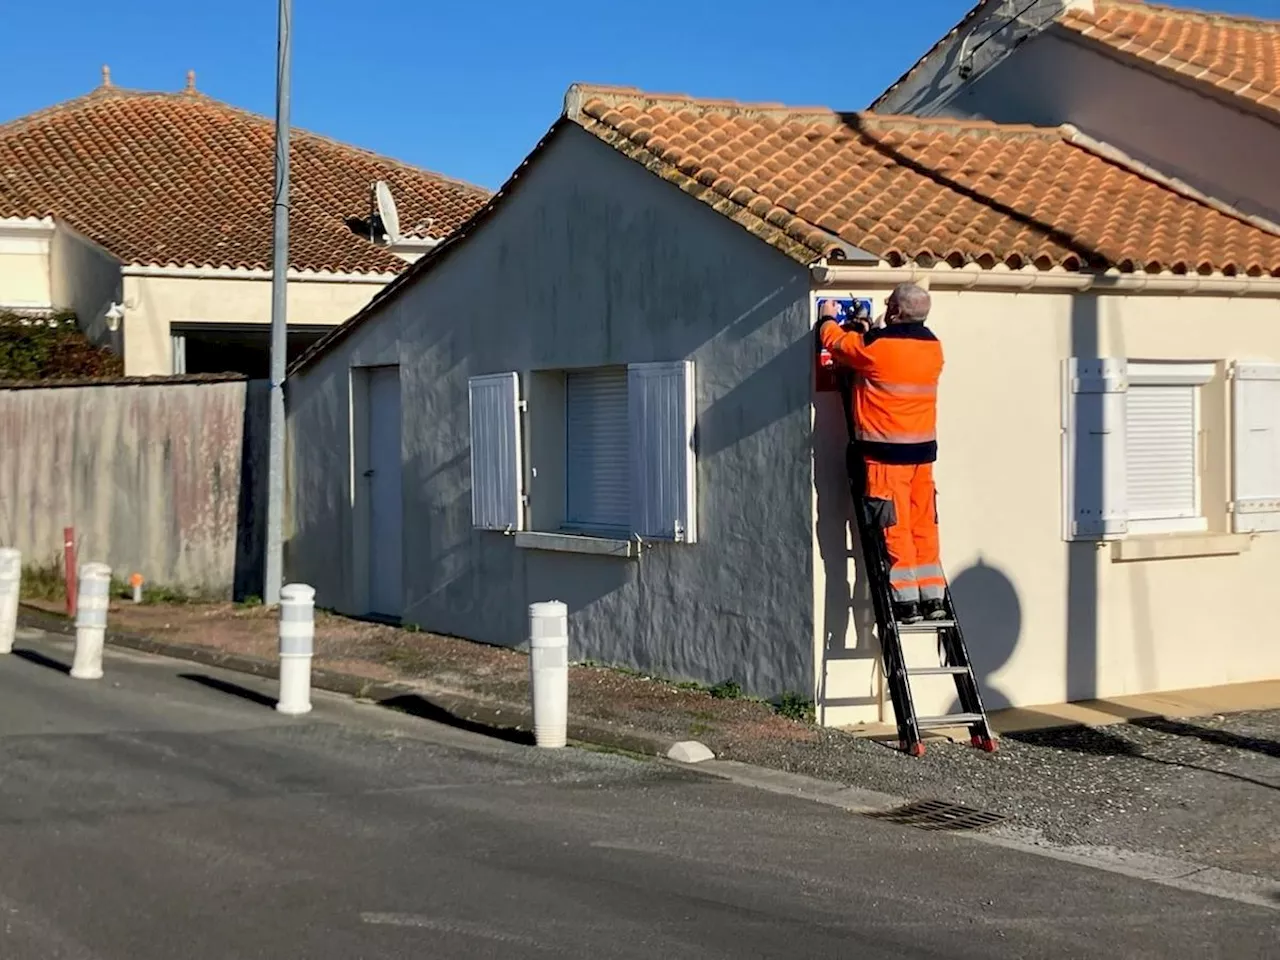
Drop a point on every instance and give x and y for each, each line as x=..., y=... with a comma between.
x=907, y=612
x=934, y=609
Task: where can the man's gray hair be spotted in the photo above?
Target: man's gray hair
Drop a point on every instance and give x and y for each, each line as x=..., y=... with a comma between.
x=913, y=302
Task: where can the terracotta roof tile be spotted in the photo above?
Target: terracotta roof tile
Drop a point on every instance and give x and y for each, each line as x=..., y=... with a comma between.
x=812, y=182
x=1237, y=54
x=184, y=180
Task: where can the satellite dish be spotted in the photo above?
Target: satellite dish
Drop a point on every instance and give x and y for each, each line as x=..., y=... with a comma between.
x=387, y=211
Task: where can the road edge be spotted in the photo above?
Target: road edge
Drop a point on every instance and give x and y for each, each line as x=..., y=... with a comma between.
x=499, y=718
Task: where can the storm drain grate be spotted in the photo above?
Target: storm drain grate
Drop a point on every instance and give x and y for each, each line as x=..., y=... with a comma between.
x=938, y=815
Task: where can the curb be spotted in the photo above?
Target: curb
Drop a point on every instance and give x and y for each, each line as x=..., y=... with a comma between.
x=514, y=721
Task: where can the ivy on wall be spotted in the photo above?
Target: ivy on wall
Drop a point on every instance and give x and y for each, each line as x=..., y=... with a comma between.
x=52, y=348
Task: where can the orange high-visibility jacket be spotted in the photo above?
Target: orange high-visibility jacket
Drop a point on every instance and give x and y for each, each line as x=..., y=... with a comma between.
x=895, y=398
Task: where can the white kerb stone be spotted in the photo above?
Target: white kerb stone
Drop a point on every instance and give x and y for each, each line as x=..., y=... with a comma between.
x=689, y=751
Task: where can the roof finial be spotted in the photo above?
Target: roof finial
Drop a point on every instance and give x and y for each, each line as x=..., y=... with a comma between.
x=191, y=81
x=106, y=75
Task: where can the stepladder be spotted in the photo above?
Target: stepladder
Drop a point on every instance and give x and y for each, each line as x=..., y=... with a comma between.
x=953, y=653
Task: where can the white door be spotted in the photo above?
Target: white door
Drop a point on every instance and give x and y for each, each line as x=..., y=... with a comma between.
x=385, y=527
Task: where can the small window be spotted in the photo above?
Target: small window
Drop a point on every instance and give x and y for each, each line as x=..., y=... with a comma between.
x=1132, y=436
x=597, y=453
x=1162, y=444
x=1161, y=483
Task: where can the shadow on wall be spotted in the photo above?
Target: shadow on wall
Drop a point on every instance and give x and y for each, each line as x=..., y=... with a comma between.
x=251, y=518
x=771, y=393
x=991, y=616
x=846, y=597
x=1082, y=556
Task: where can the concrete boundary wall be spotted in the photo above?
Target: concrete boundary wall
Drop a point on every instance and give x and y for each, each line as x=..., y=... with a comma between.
x=163, y=476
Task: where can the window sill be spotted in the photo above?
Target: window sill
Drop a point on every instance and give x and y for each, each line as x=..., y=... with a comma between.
x=575, y=543
x=1170, y=546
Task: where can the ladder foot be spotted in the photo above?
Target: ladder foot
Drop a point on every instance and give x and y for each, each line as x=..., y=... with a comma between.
x=915, y=750
x=987, y=744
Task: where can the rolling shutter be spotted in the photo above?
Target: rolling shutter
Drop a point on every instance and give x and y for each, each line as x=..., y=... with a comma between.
x=664, y=464
x=1160, y=452
x=1094, y=449
x=1256, y=448
x=497, y=479
x=598, y=494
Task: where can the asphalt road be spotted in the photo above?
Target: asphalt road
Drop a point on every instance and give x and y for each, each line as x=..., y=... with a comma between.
x=166, y=812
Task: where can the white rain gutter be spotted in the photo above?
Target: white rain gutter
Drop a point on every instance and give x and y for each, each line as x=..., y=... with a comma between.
x=969, y=278
x=235, y=273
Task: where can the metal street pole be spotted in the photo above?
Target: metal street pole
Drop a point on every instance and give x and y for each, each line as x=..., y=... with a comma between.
x=279, y=323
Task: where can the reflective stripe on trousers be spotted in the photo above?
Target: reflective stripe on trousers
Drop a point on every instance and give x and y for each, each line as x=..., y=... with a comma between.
x=902, y=497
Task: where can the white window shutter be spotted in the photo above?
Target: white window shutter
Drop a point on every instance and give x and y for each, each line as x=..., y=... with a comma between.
x=1255, y=471
x=497, y=473
x=1094, y=465
x=660, y=398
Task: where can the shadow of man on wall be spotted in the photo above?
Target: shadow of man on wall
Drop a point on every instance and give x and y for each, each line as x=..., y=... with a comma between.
x=990, y=613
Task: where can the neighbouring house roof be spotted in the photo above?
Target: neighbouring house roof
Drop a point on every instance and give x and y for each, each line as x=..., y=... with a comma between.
x=1238, y=55
x=185, y=180
x=908, y=189
x=818, y=184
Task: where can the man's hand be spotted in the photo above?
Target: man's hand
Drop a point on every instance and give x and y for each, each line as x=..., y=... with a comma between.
x=830, y=310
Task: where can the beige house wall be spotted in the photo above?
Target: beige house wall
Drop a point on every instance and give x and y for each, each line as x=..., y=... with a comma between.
x=25, y=274
x=152, y=303
x=1046, y=620
x=24, y=280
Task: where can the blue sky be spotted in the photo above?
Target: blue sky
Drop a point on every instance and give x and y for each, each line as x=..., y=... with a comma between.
x=467, y=88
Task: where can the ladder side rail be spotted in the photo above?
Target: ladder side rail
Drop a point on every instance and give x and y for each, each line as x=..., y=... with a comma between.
x=967, y=689
x=876, y=567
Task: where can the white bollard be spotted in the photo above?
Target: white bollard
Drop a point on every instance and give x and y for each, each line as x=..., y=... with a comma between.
x=92, y=599
x=297, y=636
x=549, y=672
x=10, y=590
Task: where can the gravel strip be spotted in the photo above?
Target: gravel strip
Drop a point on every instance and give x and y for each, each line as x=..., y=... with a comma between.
x=1206, y=789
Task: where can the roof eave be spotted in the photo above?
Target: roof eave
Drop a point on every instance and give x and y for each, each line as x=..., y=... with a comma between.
x=1056, y=280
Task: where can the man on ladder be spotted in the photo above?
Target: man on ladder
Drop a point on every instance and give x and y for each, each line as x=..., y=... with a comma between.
x=895, y=409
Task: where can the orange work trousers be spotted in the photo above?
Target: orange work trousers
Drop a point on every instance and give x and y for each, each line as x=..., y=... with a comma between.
x=903, y=501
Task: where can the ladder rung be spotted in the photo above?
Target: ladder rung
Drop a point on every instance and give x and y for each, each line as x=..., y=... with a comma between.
x=951, y=720
x=925, y=626
x=935, y=671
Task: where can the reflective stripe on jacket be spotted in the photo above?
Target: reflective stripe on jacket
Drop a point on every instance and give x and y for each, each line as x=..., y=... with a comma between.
x=895, y=398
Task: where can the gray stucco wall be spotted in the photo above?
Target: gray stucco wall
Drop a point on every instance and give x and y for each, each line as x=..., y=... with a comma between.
x=1052, y=79
x=590, y=261
x=161, y=479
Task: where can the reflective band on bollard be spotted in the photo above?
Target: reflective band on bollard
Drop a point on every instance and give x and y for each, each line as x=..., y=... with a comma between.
x=549, y=672
x=10, y=589
x=92, y=599
x=297, y=637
